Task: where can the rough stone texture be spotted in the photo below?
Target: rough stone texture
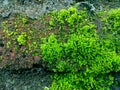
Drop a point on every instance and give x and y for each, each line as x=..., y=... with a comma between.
x=36, y=8
x=32, y=9
x=33, y=79
x=36, y=78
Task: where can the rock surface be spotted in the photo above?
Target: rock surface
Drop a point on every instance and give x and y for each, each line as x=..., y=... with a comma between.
x=36, y=78
x=32, y=9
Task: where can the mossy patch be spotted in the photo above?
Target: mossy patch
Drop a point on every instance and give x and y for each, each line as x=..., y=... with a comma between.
x=65, y=42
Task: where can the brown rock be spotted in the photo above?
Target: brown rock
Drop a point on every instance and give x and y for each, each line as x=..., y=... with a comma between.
x=37, y=59
x=12, y=55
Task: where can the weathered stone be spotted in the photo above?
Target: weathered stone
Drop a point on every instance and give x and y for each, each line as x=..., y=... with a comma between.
x=32, y=8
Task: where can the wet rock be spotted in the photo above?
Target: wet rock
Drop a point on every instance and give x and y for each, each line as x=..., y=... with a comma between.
x=5, y=2
x=32, y=9
x=28, y=80
x=6, y=14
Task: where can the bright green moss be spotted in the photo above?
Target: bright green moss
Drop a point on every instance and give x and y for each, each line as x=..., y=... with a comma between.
x=86, y=55
x=80, y=81
x=22, y=38
x=111, y=29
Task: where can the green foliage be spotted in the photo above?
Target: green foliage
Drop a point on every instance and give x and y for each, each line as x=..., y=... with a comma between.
x=83, y=50
x=51, y=49
x=71, y=18
x=79, y=81
x=22, y=38
x=69, y=44
x=15, y=36
x=114, y=21
x=79, y=53
x=24, y=20
x=87, y=56
x=111, y=30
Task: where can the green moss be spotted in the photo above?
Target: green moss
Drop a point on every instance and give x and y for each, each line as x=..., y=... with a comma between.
x=22, y=38
x=84, y=52
x=111, y=28
x=24, y=20
x=80, y=81
x=67, y=43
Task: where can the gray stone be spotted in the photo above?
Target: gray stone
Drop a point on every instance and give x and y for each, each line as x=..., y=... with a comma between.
x=32, y=8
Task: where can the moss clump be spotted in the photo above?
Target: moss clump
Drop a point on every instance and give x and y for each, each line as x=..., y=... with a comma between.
x=111, y=28
x=84, y=54
x=22, y=39
x=81, y=81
